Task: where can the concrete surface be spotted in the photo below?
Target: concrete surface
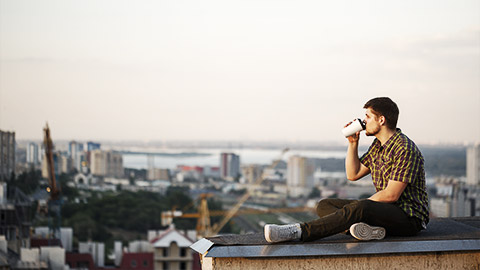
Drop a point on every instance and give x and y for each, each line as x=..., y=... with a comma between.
x=441, y=260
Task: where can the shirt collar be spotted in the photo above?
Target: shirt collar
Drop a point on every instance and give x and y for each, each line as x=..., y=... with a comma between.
x=390, y=140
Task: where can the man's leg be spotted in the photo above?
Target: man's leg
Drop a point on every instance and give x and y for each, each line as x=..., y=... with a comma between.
x=389, y=216
x=279, y=233
x=329, y=206
x=393, y=219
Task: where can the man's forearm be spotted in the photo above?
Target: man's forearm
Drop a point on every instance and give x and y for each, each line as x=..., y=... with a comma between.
x=383, y=196
x=391, y=194
x=352, y=162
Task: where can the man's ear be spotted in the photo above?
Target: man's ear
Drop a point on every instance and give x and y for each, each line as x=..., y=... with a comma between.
x=382, y=120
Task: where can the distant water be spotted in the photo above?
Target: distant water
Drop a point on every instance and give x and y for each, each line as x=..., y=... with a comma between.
x=211, y=157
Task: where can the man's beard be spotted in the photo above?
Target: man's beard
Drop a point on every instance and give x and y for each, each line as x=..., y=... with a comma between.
x=373, y=133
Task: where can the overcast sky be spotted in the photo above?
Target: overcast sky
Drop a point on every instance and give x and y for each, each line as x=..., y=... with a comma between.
x=237, y=70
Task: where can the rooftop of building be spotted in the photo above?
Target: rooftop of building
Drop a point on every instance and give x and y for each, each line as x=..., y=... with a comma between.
x=171, y=235
x=441, y=235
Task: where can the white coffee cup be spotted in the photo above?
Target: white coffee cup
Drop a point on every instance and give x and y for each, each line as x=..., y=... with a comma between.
x=354, y=127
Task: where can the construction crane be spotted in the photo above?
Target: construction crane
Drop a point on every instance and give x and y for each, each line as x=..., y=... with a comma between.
x=204, y=228
x=52, y=182
x=54, y=201
x=203, y=214
x=217, y=227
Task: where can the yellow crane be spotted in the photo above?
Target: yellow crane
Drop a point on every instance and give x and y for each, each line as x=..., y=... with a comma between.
x=205, y=229
x=203, y=214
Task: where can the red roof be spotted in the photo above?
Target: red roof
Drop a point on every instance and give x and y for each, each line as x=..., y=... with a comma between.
x=45, y=242
x=137, y=261
x=80, y=260
x=190, y=168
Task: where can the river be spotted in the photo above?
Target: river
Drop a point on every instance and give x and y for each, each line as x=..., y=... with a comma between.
x=211, y=157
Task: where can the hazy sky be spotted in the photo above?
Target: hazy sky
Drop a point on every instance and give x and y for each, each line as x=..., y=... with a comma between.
x=237, y=70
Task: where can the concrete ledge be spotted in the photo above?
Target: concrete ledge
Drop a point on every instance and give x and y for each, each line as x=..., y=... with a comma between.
x=412, y=261
x=447, y=244
x=335, y=249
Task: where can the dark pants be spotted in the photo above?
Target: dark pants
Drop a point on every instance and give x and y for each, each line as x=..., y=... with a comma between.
x=338, y=215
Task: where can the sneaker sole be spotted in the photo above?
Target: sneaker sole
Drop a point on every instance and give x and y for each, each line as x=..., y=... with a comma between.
x=266, y=232
x=363, y=231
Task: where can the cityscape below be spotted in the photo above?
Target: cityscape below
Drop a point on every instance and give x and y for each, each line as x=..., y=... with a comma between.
x=289, y=178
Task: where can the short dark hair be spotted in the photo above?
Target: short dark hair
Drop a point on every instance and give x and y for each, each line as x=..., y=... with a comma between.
x=386, y=107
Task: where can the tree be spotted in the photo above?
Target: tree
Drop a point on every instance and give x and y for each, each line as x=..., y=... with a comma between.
x=67, y=191
x=27, y=181
x=316, y=193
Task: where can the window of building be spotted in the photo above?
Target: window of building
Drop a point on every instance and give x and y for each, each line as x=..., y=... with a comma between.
x=165, y=252
x=165, y=265
x=133, y=263
x=183, y=265
x=145, y=263
x=183, y=252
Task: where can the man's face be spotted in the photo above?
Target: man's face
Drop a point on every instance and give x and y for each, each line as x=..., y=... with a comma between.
x=372, y=123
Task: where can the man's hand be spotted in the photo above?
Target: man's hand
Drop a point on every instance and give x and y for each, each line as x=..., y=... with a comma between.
x=354, y=169
x=355, y=137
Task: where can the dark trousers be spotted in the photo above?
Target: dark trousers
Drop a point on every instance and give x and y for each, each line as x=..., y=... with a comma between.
x=337, y=215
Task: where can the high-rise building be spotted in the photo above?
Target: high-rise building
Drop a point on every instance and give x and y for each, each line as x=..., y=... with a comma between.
x=229, y=166
x=251, y=173
x=61, y=164
x=158, y=174
x=454, y=198
x=106, y=163
x=473, y=165
x=75, y=152
x=300, y=179
x=32, y=153
x=72, y=148
x=7, y=155
x=90, y=146
x=66, y=164
x=57, y=164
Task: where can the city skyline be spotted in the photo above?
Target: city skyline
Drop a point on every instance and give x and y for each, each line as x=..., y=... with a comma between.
x=237, y=70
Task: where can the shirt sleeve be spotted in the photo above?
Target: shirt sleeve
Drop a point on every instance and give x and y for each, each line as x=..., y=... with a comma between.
x=405, y=165
x=366, y=159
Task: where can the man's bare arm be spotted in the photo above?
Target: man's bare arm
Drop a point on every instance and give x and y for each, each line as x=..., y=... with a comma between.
x=353, y=167
x=391, y=194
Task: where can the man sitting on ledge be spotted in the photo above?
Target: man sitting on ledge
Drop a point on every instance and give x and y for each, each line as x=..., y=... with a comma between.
x=400, y=204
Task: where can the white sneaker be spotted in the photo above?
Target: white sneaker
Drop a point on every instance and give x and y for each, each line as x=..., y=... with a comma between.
x=279, y=233
x=363, y=231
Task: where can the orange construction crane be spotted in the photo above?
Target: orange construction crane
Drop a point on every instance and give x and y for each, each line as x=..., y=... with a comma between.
x=52, y=183
x=54, y=202
x=204, y=229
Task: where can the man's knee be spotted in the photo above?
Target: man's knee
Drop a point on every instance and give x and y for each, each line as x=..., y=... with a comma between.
x=324, y=203
x=360, y=208
x=364, y=204
x=368, y=209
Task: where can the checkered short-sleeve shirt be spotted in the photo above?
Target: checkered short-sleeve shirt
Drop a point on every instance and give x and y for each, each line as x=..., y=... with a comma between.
x=399, y=159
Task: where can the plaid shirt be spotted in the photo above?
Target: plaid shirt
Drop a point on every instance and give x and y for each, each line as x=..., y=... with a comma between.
x=400, y=160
